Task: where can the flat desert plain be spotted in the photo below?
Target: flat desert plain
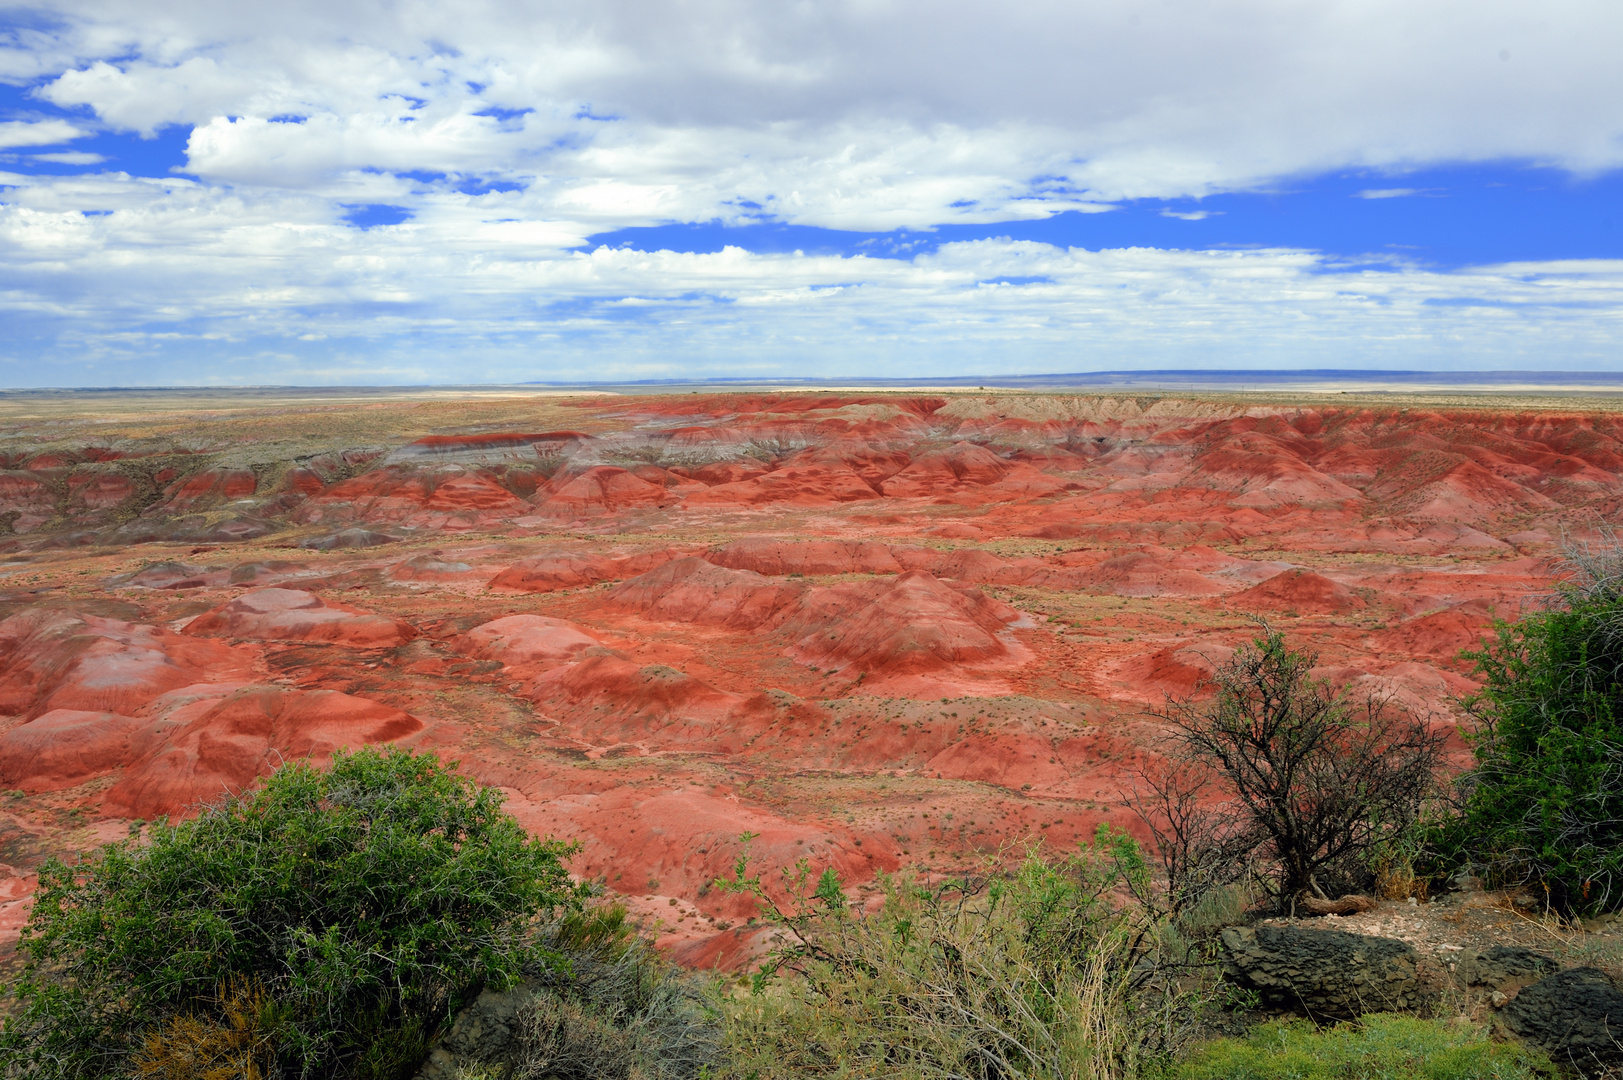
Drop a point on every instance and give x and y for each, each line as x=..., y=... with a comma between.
x=875, y=630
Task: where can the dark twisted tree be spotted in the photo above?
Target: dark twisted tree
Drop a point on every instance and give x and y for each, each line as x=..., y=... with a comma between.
x=1315, y=776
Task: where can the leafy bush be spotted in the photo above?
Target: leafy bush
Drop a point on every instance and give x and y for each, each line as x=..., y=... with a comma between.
x=348, y=910
x=1544, y=804
x=1313, y=779
x=1037, y=972
x=1378, y=1047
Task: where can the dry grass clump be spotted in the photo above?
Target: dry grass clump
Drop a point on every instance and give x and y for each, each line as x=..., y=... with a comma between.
x=1043, y=970
x=239, y=1043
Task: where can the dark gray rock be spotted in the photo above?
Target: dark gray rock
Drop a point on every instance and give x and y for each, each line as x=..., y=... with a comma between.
x=1325, y=973
x=1575, y=1016
x=1503, y=965
x=486, y=1033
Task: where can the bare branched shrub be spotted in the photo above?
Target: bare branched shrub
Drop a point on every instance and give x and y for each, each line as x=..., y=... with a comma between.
x=1319, y=778
x=1203, y=840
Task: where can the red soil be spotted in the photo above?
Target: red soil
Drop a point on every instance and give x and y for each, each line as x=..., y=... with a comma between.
x=878, y=631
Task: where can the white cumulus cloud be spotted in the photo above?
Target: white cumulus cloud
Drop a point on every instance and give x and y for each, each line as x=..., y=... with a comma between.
x=511, y=133
x=37, y=133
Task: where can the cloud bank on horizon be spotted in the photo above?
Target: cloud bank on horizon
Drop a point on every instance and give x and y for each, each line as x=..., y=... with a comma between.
x=466, y=191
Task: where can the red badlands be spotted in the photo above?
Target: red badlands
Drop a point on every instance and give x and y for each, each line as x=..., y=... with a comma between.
x=875, y=630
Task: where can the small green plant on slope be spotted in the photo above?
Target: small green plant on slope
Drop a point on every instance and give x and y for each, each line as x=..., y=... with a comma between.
x=363, y=901
x=1037, y=970
x=1378, y=1047
x=1544, y=805
x=1317, y=778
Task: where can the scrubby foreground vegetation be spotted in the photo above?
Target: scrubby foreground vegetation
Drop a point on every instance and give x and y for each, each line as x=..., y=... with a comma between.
x=331, y=923
x=325, y=924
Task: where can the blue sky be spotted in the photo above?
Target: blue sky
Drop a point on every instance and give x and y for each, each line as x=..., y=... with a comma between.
x=452, y=192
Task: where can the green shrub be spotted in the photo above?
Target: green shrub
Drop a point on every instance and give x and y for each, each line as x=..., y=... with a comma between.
x=1379, y=1047
x=1544, y=804
x=365, y=900
x=1030, y=972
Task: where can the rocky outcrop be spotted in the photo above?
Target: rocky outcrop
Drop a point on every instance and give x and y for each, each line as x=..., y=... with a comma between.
x=1325, y=973
x=1575, y=1016
x=1503, y=967
x=485, y=1033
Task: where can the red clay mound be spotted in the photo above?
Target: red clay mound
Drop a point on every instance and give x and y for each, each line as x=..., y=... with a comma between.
x=527, y=639
x=1298, y=590
x=166, y=575
x=797, y=485
x=910, y=624
x=1468, y=493
x=730, y=472
x=693, y=590
x=940, y=471
x=1264, y=473
x=99, y=490
x=292, y=615
x=206, y=489
x=29, y=497
x=58, y=660
x=603, y=489
x=64, y=748
x=573, y=569
x=444, y=498
x=1137, y=573
x=1442, y=634
x=1175, y=670
x=609, y=701
x=219, y=745
x=679, y=482
x=765, y=555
